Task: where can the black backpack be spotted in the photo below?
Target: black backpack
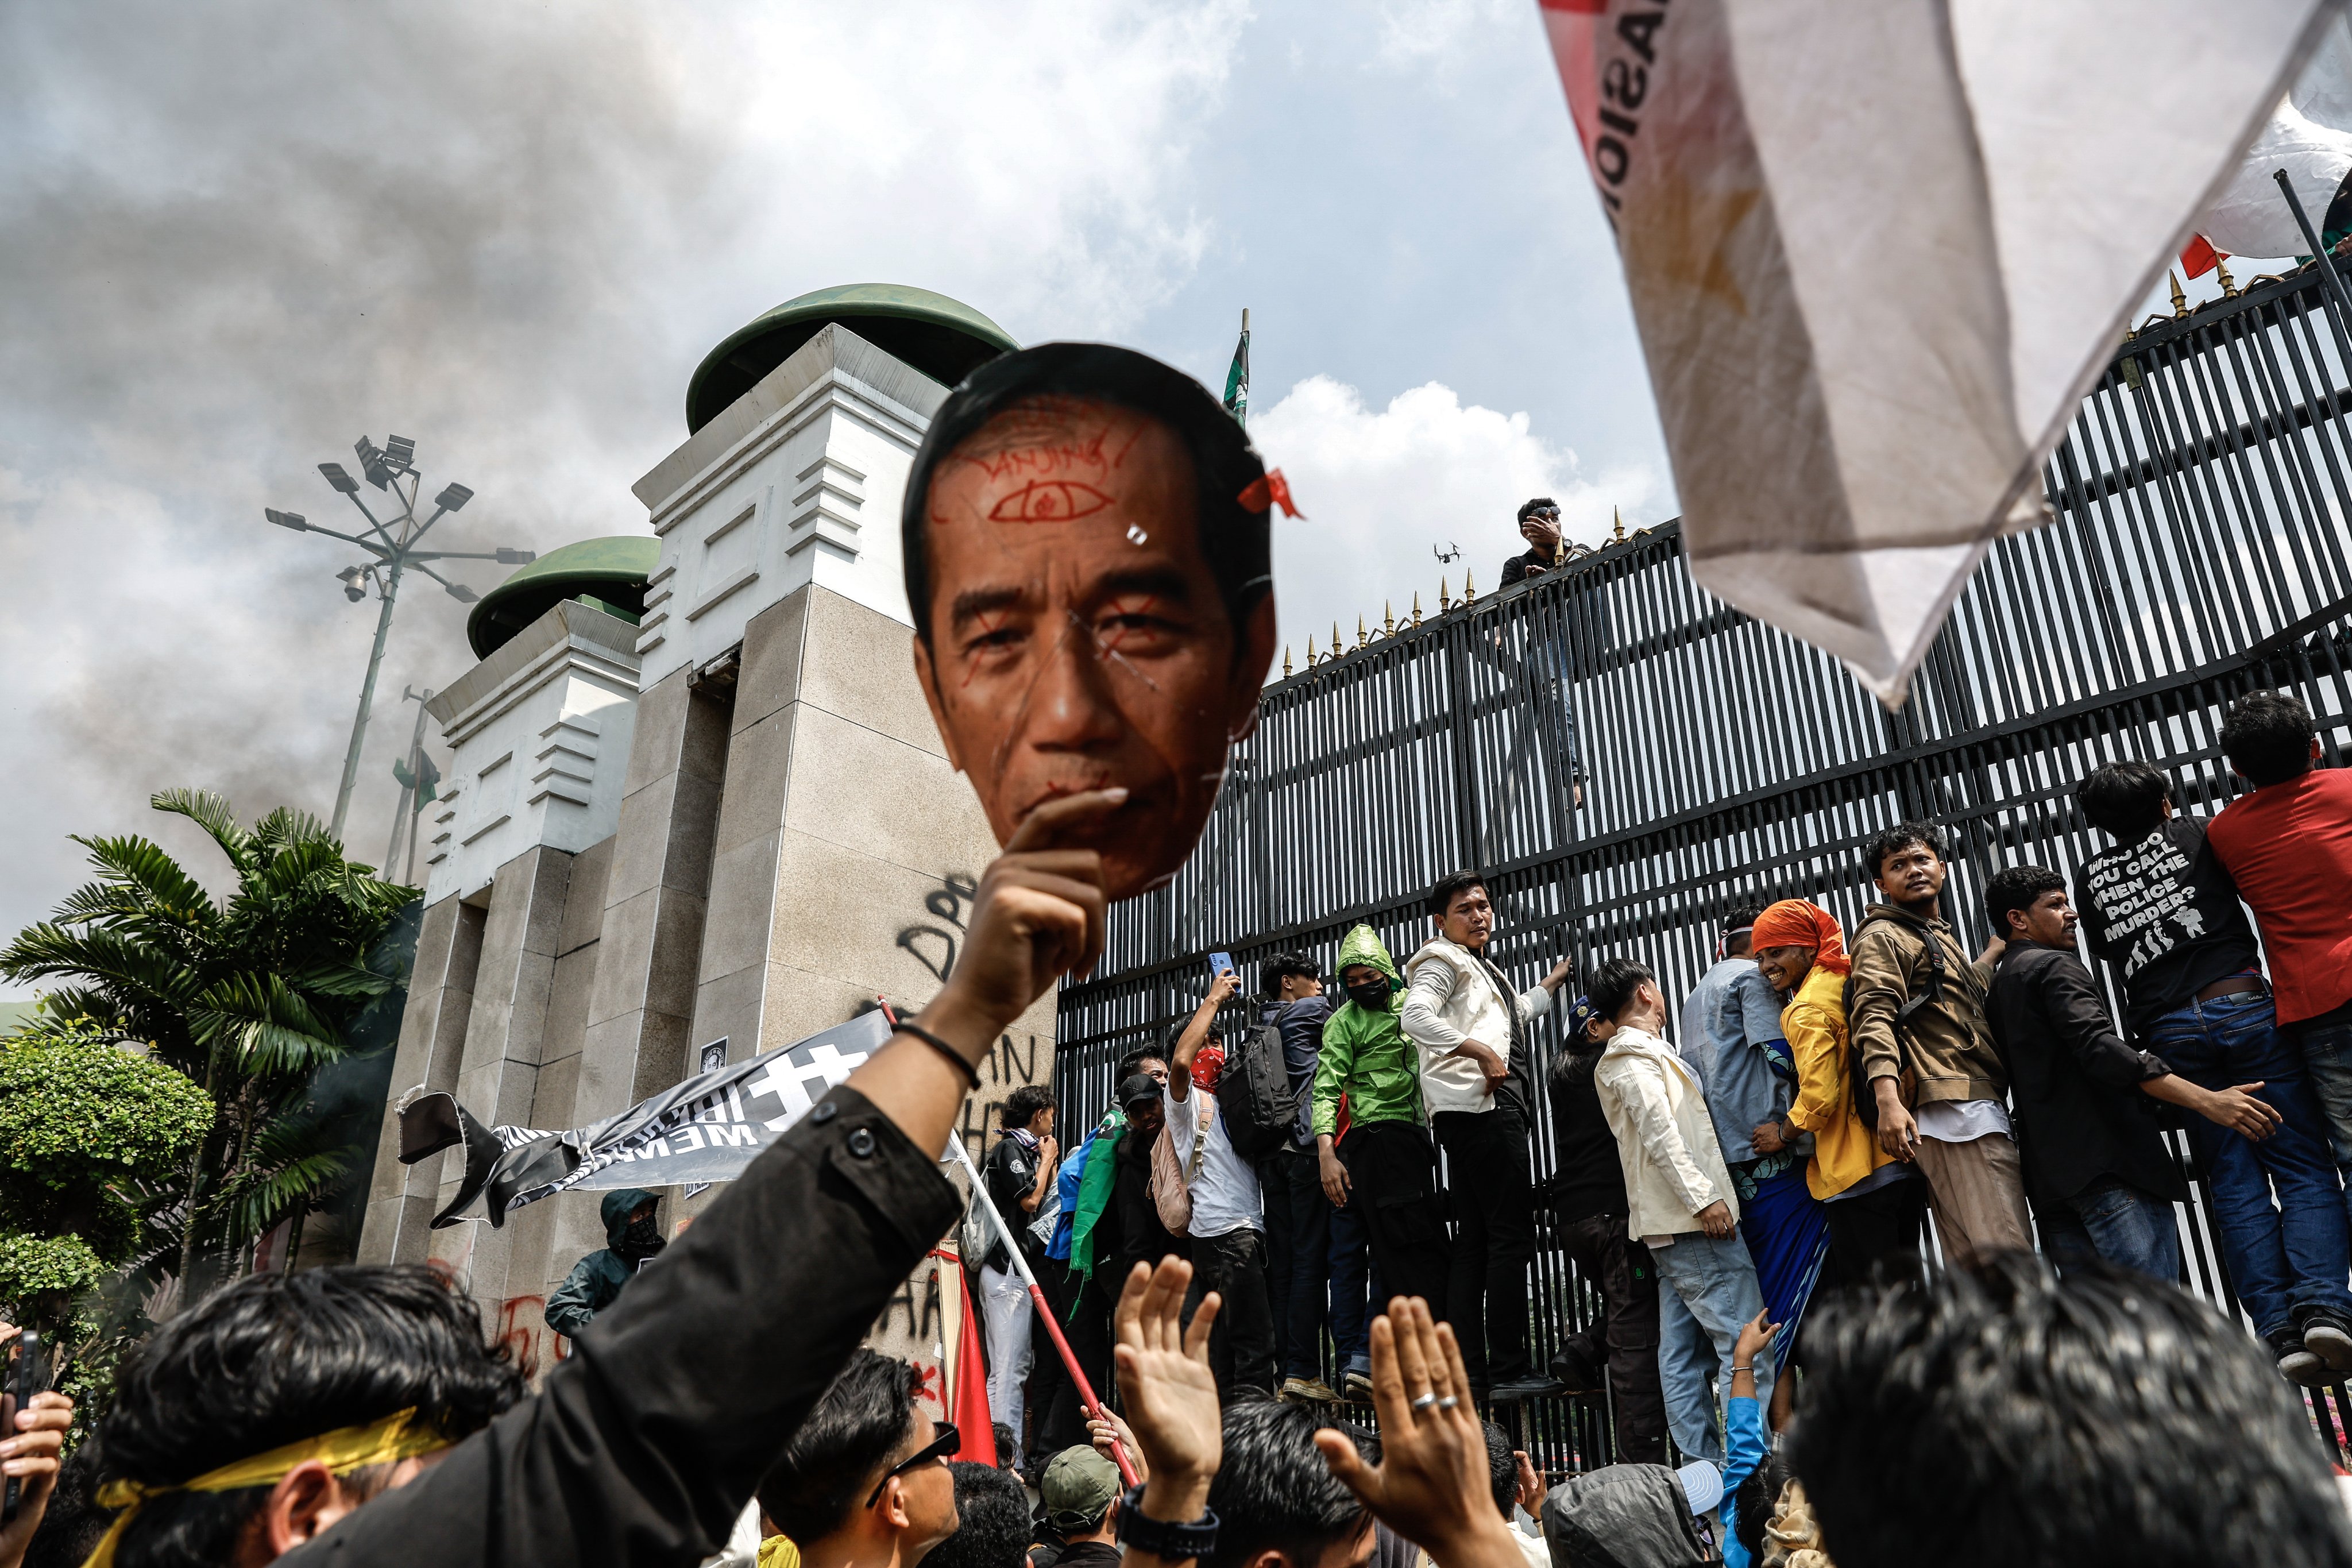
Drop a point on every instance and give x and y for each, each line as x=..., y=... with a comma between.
x=1865, y=1099
x=1253, y=1095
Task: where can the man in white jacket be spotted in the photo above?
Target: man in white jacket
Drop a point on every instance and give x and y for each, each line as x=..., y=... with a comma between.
x=1469, y=1028
x=1680, y=1203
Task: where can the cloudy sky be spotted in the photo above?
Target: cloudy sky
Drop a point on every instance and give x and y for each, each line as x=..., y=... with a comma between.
x=236, y=238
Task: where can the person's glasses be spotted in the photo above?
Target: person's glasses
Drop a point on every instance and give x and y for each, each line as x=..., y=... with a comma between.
x=1545, y=514
x=940, y=1447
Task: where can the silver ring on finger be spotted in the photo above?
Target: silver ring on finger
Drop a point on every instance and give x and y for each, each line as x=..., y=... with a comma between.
x=1448, y=1403
x=1423, y=1403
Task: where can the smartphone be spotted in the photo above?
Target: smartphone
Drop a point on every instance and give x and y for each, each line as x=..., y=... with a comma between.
x=32, y=1377
x=1220, y=963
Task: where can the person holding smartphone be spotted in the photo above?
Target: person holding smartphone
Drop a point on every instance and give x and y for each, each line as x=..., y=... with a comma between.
x=34, y=1418
x=1228, y=1227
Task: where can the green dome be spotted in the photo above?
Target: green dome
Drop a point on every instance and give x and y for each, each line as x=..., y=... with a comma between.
x=945, y=339
x=611, y=570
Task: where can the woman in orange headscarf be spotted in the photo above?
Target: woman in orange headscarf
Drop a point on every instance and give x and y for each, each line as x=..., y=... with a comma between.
x=1874, y=1202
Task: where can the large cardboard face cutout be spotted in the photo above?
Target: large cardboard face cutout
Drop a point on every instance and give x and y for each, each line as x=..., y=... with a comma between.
x=1079, y=638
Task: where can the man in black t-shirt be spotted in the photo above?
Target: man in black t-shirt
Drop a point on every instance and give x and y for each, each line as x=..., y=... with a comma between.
x=1588, y=1198
x=2161, y=907
x=1548, y=638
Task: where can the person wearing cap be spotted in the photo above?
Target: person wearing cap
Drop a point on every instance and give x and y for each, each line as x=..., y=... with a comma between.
x=1589, y=1206
x=1079, y=1492
x=1874, y=1203
x=1137, y=1234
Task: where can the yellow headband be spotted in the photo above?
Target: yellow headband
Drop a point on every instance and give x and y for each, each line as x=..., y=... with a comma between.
x=350, y=1448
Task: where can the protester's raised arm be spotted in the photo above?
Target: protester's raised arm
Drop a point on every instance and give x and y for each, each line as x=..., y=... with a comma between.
x=1171, y=1397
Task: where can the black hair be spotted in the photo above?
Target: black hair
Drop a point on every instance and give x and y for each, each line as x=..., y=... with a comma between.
x=2018, y=887
x=1281, y=967
x=1902, y=835
x=1614, y=982
x=1443, y=893
x=277, y=1358
x=2267, y=736
x=1528, y=506
x=1745, y=910
x=2000, y=1415
x=1132, y=1063
x=1274, y=1493
x=1502, y=1469
x=859, y=1422
x=992, y=1520
x=2125, y=800
x=1021, y=1106
x=1234, y=537
x=1758, y=1499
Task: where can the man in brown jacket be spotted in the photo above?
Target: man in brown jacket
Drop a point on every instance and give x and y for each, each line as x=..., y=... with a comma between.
x=1941, y=1089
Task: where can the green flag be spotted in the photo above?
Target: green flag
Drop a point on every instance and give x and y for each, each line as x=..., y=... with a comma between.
x=1237, y=378
x=425, y=781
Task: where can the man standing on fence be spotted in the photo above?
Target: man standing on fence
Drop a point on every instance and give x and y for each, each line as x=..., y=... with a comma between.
x=1228, y=1227
x=1379, y=1165
x=2159, y=907
x=1297, y=1215
x=1937, y=1056
x=1471, y=1030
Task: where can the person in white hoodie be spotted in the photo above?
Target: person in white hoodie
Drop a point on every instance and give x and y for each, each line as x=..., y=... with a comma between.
x=1681, y=1204
x=1469, y=1029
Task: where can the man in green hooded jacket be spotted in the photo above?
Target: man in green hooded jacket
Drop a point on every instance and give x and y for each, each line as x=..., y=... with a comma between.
x=632, y=1235
x=1381, y=1161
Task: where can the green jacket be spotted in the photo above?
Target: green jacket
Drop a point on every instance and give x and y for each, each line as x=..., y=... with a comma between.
x=1365, y=1054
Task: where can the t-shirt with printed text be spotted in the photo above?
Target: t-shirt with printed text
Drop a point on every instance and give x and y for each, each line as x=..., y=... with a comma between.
x=2166, y=914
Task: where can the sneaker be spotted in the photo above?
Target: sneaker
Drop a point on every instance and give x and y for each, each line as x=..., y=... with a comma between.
x=2327, y=1336
x=1308, y=1391
x=1576, y=1372
x=1357, y=1387
x=1517, y=1389
x=2295, y=1364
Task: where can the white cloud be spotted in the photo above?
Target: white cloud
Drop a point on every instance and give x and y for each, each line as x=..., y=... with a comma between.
x=1382, y=487
x=1441, y=34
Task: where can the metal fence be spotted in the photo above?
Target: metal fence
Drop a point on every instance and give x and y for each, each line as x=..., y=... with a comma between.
x=2199, y=551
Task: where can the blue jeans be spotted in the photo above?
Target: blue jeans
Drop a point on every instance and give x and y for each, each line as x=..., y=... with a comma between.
x=1351, y=1269
x=2297, y=1254
x=1711, y=1293
x=2326, y=1054
x=2125, y=1225
x=1298, y=1246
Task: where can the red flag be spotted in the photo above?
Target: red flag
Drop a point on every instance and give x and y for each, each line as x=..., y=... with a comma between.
x=971, y=1418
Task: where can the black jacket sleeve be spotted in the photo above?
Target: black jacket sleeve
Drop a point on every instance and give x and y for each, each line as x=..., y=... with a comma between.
x=643, y=1447
x=2078, y=1018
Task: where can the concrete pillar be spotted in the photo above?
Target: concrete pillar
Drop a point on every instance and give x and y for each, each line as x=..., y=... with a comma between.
x=432, y=1041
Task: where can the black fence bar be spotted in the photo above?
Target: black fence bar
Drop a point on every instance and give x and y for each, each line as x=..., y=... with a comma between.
x=2202, y=550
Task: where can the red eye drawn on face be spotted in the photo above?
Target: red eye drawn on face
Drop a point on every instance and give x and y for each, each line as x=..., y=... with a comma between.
x=1049, y=500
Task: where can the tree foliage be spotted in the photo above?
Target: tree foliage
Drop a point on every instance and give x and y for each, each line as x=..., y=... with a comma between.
x=241, y=999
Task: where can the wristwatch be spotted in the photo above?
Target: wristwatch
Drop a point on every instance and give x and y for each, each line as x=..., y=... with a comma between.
x=1170, y=1543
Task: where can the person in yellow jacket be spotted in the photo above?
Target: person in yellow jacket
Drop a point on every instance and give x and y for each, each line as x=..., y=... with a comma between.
x=1875, y=1202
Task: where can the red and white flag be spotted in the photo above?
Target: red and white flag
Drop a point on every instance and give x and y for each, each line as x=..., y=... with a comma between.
x=1879, y=252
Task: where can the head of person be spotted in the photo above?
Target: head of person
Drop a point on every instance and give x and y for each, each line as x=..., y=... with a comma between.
x=1147, y=1113
x=1031, y=1109
x=865, y=1479
x=1464, y=913
x=1540, y=521
x=1276, y=1503
x=2269, y=738
x=1791, y=937
x=1289, y=976
x=1150, y=1061
x=1623, y=991
x=1079, y=1492
x=1738, y=927
x=2115, y=1420
x=1086, y=557
x=336, y=1366
x=1367, y=986
x=632, y=1223
x=1588, y=1027
x=991, y=1519
x=2028, y=903
x=1907, y=862
x=1502, y=1469
x=2126, y=801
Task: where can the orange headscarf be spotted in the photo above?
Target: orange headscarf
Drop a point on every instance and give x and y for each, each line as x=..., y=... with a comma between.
x=1793, y=922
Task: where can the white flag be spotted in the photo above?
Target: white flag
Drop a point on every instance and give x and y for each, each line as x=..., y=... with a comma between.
x=1879, y=252
x=2310, y=137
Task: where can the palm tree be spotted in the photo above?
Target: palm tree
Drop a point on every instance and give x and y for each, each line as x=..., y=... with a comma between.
x=246, y=996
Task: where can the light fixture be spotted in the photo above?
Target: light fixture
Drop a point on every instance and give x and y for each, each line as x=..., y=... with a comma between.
x=452, y=496
x=399, y=451
x=339, y=479
x=515, y=557
x=460, y=591
x=292, y=520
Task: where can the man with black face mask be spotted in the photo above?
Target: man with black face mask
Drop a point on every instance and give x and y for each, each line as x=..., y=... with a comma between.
x=595, y=1281
x=1369, y=1138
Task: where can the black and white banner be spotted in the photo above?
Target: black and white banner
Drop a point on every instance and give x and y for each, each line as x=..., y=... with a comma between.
x=705, y=1129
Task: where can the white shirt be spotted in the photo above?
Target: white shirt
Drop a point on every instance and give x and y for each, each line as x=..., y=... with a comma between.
x=1226, y=1196
x=1961, y=1120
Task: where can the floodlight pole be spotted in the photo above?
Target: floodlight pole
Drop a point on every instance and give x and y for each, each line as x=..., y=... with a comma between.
x=367, y=698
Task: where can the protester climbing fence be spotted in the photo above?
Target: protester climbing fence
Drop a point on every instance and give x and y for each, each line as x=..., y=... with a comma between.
x=2199, y=551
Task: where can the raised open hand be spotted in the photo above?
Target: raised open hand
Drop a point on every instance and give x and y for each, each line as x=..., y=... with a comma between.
x=1165, y=1382
x=1431, y=1485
